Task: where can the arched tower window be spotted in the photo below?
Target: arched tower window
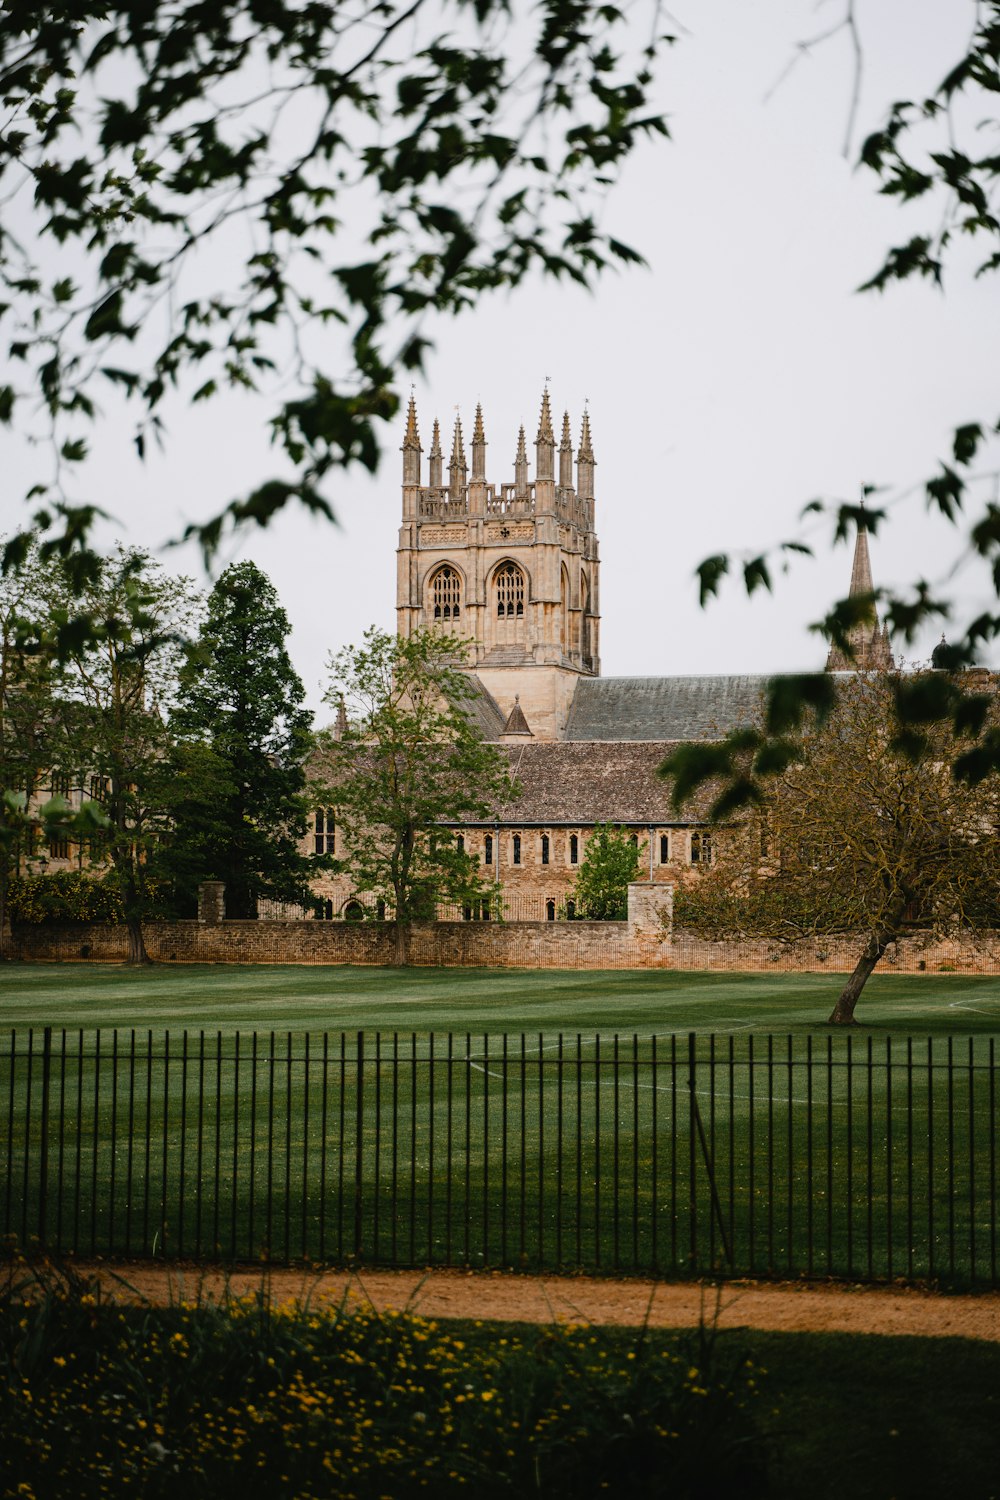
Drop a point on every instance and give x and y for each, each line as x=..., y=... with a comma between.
x=446, y=594
x=510, y=592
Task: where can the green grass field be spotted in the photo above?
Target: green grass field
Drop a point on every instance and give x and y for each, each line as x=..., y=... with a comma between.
x=535, y=1120
x=301, y=998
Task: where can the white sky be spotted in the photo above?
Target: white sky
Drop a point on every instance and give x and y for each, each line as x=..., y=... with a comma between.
x=736, y=379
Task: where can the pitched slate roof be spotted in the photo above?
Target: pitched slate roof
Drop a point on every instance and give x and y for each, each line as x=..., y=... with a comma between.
x=661, y=708
x=610, y=782
x=483, y=709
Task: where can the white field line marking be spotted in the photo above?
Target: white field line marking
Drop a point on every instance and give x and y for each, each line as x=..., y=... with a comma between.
x=660, y=1088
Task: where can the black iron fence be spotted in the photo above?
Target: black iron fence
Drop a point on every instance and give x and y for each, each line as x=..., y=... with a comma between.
x=741, y=1154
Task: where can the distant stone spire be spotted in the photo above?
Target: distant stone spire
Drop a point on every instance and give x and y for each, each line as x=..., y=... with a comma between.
x=340, y=727
x=479, y=445
x=545, y=442
x=521, y=464
x=411, y=449
x=585, y=461
x=436, y=457
x=871, y=650
x=566, y=455
x=456, y=464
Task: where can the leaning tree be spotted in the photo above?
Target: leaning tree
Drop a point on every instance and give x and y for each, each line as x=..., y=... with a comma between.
x=865, y=829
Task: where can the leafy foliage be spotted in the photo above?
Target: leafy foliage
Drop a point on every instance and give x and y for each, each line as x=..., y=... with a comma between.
x=237, y=797
x=116, y=682
x=276, y=196
x=409, y=763
x=70, y=896
x=857, y=834
x=610, y=862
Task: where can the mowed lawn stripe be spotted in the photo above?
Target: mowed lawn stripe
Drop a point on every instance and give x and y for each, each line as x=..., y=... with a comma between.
x=315, y=998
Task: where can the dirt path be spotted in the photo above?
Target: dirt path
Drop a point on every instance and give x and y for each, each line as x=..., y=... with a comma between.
x=784, y=1307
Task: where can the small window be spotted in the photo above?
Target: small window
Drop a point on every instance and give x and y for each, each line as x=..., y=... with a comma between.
x=488, y=850
x=634, y=841
x=516, y=857
x=99, y=788
x=380, y=911
x=60, y=784
x=550, y=910
x=58, y=847
x=664, y=848
x=574, y=849
x=325, y=830
x=545, y=848
x=460, y=843
x=571, y=910
x=701, y=849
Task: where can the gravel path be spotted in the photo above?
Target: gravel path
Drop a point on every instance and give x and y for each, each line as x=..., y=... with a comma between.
x=784, y=1307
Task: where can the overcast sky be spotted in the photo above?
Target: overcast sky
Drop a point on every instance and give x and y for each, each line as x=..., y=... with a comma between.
x=734, y=380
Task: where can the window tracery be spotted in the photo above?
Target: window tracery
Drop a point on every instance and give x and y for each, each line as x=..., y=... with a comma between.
x=446, y=594
x=510, y=592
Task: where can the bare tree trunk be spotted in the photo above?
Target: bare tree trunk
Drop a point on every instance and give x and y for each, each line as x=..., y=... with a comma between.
x=843, y=1011
x=136, y=942
x=402, y=943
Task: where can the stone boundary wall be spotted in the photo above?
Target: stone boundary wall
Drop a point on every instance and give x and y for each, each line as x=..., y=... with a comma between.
x=500, y=945
x=838, y=955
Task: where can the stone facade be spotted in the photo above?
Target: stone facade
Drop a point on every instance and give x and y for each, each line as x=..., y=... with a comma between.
x=512, y=566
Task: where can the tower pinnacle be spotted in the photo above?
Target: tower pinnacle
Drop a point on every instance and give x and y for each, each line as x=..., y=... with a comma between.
x=411, y=446
x=479, y=445
x=521, y=464
x=545, y=442
x=566, y=455
x=435, y=456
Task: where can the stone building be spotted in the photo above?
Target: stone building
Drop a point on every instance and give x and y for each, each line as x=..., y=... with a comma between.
x=514, y=567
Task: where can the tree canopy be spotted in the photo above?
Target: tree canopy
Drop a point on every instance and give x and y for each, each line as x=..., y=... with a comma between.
x=238, y=767
x=610, y=862
x=855, y=837
x=408, y=762
x=279, y=196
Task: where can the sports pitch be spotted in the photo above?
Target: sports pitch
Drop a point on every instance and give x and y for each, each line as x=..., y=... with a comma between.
x=319, y=998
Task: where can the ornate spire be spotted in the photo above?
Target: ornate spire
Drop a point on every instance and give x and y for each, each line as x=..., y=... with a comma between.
x=340, y=727
x=478, y=445
x=412, y=438
x=521, y=463
x=545, y=433
x=411, y=446
x=456, y=464
x=871, y=650
x=585, y=450
x=545, y=442
x=566, y=455
x=585, y=461
x=435, y=456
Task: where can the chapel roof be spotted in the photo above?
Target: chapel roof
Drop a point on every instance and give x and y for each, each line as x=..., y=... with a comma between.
x=592, y=782
x=662, y=708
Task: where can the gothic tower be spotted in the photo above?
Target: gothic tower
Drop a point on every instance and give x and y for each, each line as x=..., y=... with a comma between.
x=512, y=567
x=869, y=638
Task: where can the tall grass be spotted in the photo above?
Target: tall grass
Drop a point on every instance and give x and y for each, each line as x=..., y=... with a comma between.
x=301, y=1400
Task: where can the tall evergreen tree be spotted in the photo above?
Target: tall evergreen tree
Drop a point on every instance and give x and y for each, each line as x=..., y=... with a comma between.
x=242, y=737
